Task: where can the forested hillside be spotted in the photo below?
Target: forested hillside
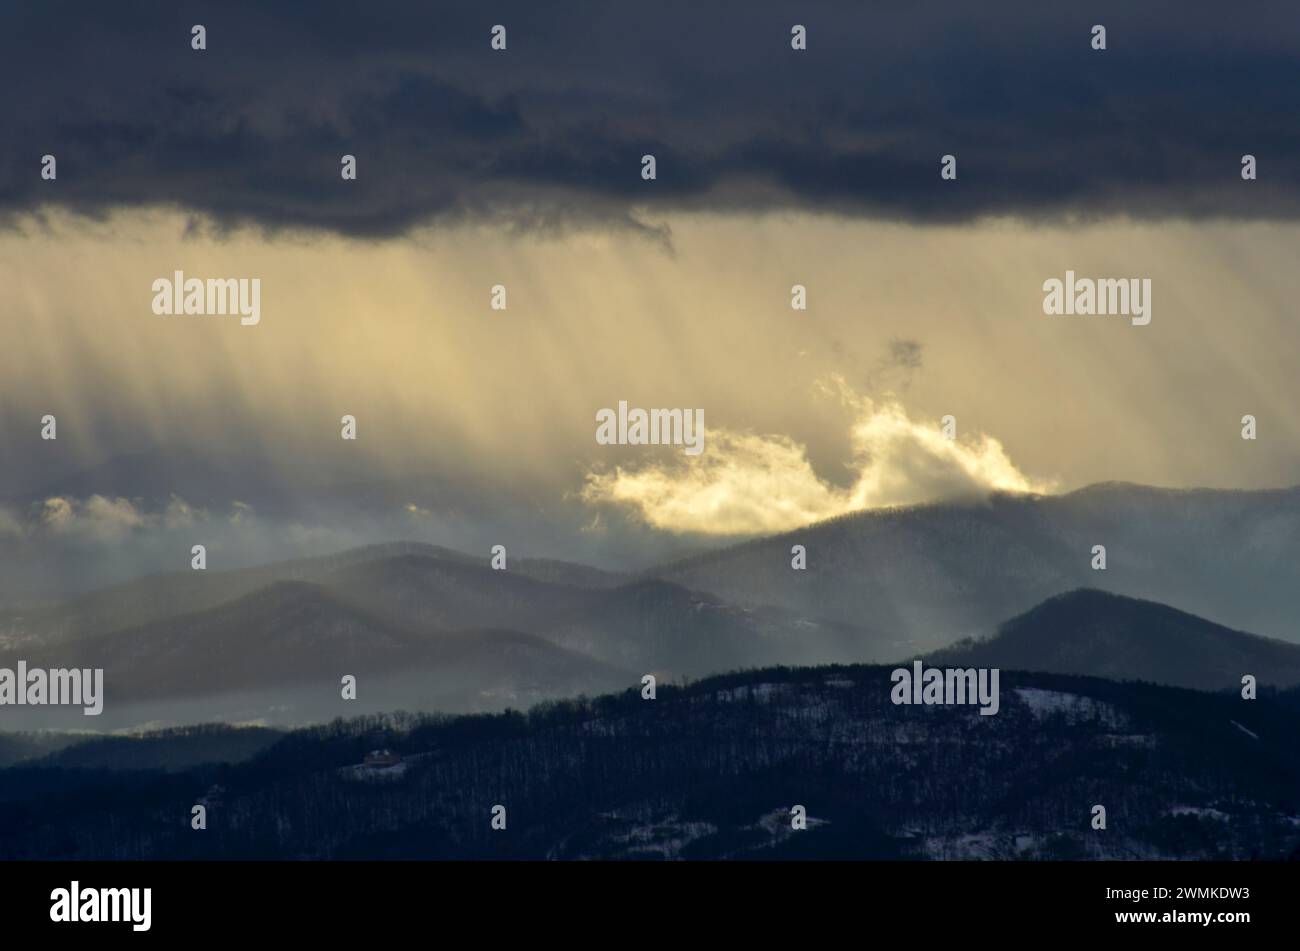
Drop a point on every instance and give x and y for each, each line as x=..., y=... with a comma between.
x=713, y=770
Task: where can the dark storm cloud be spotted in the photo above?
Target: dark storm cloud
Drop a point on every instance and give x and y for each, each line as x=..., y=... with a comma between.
x=551, y=131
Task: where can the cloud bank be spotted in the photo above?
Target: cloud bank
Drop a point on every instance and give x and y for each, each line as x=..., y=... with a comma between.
x=550, y=132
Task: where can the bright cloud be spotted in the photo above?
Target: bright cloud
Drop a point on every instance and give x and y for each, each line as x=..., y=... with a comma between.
x=104, y=518
x=753, y=484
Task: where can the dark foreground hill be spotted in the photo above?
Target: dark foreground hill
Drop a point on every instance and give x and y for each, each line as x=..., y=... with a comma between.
x=1097, y=634
x=713, y=770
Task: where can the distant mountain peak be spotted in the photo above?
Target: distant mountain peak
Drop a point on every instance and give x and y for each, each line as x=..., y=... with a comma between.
x=1097, y=633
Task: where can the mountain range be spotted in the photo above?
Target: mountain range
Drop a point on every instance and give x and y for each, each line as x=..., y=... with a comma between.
x=936, y=573
x=1006, y=582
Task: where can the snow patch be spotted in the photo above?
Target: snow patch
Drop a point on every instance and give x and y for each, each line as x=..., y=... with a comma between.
x=666, y=838
x=1075, y=708
x=763, y=693
x=1200, y=812
x=1253, y=736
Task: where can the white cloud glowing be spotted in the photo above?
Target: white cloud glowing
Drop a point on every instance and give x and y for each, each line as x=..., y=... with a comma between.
x=753, y=484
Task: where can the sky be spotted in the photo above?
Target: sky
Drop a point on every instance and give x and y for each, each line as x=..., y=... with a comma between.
x=522, y=168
